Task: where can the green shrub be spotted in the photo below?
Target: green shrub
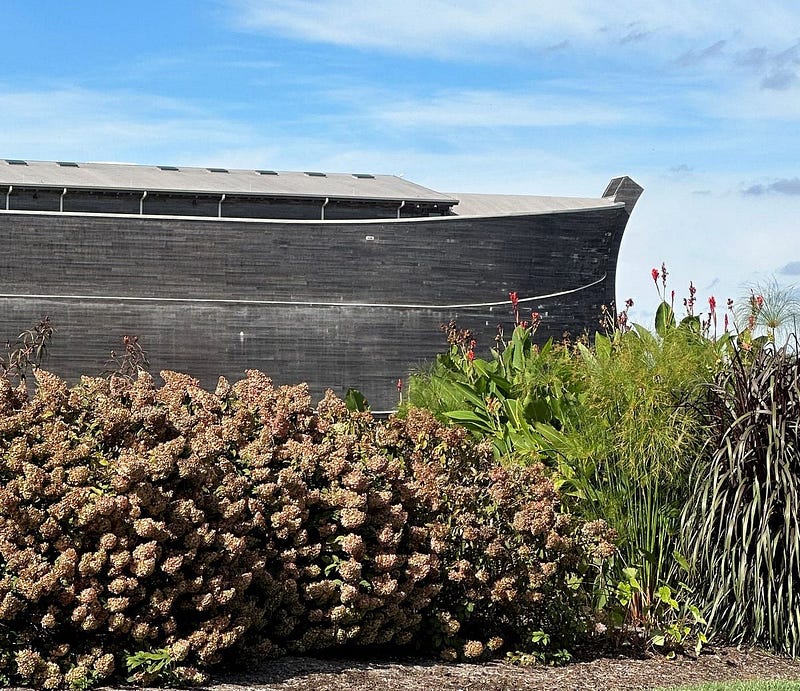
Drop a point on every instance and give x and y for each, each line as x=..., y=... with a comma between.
x=499, y=399
x=626, y=453
x=619, y=423
x=169, y=529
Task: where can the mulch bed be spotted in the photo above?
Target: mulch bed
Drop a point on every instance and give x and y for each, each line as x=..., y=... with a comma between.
x=415, y=674
x=418, y=674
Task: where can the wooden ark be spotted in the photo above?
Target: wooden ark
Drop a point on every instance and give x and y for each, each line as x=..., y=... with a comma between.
x=339, y=280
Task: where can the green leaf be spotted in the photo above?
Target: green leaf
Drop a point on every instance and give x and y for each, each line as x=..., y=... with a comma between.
x=602, y=346
x=471, y=420
x=691, y=323
x=681, y=561
x=540, y=637
x=484, y=368
x=515, y=413
x=468, y=393
x=462, y=416
x=665, y=318
x=355, y=401
x=698, y=645
x=630, y=572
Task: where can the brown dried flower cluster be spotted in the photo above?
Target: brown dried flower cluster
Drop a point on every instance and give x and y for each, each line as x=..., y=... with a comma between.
x=244, y=521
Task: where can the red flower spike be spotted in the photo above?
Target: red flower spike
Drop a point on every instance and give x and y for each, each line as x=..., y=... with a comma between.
x=654, y=273
x=399, y=384
x=514, y=305
x=712, y=304
x=470, y=355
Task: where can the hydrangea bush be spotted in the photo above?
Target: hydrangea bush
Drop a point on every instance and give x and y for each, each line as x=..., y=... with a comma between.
x=181, y=528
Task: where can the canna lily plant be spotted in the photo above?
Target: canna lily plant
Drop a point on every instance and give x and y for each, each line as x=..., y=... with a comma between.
x=503, y=397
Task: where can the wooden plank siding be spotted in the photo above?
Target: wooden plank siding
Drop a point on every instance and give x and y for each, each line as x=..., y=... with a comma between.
x=158, y=277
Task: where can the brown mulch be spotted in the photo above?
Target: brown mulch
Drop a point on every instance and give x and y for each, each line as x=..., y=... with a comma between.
x=416, y=674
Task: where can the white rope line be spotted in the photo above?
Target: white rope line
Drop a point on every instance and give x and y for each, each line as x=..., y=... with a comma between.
x=297, y=303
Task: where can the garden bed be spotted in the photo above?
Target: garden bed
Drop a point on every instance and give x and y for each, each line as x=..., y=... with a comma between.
x=418, y=674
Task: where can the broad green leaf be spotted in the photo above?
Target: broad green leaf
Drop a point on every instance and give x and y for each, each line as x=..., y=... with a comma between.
x=471, y=420
x=691, y=323
x=602, y=346
x=665, y=318
x=355, y=401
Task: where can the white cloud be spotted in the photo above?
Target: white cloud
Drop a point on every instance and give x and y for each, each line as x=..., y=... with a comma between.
x=747, y=99
x=474, y=108
x=720, y=241
x=77, y=124
x=447, y=29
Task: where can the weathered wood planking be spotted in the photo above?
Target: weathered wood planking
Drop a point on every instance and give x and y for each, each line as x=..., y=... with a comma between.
x=150, y=276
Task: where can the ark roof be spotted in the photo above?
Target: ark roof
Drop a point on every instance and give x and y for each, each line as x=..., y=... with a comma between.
x=186, y=179
x=504, y=204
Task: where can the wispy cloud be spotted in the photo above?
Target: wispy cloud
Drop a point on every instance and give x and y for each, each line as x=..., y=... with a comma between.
x=456, y=30
x=556, y=47
x=698, y=56
x=474, y=108
x=634, y=36
x=790, y=269
x=788, y=186
x=448, y=30
x=778, y=69
x=123, y=125
x=128, y=126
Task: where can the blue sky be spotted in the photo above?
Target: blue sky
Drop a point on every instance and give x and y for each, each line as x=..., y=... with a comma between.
x=699, y=102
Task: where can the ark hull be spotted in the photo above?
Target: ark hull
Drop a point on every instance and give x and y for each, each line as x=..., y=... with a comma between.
x=333, y=303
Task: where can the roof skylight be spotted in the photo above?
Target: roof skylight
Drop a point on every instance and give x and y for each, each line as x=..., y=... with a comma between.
x=266, y=172
x=312, y=174
x=217, y=170
x=16, y=162
x=172, y=168
x=364, y=176
x=68, y=164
